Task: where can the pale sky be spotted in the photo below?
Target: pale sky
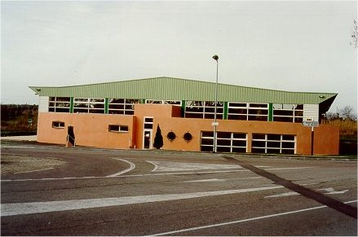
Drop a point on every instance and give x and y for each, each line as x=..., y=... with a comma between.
x=284, y=45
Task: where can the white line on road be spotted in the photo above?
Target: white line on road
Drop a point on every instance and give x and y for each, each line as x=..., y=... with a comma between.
x=168, y=166
x=218, y=180
x=124, y=176
x=150, y=174
x=331, y=191
x=283, y=195
x=244, y=220
x=132, y=167
x=12, y=209
x=292, y=168
x=155, y=165
x=205, y=180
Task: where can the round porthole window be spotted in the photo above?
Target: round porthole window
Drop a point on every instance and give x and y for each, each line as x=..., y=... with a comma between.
x=171, y=136
x=187, y=137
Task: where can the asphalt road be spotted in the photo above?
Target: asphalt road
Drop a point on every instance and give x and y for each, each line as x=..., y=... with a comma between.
x=117, y=192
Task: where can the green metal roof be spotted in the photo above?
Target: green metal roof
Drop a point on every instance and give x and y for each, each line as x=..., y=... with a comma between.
x=168, y=88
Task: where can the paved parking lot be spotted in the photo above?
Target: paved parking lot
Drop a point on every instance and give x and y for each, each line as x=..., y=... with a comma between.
x=112, y=192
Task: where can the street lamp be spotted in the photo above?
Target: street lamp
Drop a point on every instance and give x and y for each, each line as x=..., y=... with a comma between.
x=215, y=123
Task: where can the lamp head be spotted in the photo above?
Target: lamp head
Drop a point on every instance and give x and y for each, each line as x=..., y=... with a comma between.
x=215, y=57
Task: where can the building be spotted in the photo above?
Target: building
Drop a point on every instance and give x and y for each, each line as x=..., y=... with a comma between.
x=126, y=114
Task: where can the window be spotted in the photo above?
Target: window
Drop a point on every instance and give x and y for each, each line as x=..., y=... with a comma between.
x=288, y=113
x=203, y=109
x=171, y=136
x=59, y=104
x=273, y=143
x=226, y=141
x=247, y=111
x=148, y=123
x=58, y=124
x=118, y=128
x=188, y=137
x=121, y=106
x=237, y=111
x=172, y=102
x=88, y=105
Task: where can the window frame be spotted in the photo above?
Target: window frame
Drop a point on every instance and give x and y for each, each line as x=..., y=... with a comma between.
x=59, y=105
x=88, y=105
x=121, y=128
x=205, y=109
x=228, y=140
x=58, y=124
x=286, y=144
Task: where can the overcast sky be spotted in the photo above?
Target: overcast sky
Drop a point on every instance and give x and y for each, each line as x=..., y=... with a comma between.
x=285, y=45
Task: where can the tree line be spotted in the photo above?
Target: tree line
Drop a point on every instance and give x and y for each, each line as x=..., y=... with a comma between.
x=18, y=119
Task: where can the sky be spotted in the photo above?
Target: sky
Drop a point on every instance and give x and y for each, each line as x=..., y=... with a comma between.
x=283, y=45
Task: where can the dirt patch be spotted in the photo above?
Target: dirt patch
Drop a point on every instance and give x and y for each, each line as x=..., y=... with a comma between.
x=22, y=164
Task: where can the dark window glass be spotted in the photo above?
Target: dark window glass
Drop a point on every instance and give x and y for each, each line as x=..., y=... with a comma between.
x=258, y=136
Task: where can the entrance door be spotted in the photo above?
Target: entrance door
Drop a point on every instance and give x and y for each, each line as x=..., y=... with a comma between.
x=147, y=139
x=147, y=133
x=71, y=136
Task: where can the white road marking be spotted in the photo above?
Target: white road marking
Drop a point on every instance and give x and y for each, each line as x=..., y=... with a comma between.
x=283, y=195
x=205, y=180
x=218, y=180
x=30, y=171
x=338, y=192
x=143, y=175
x=18, y=147
x=185, y=173
x=168, y=166
x=132, y=167
x=304, y=184
x=125, y=176
x=243, y=220
x=331, y=191
x=155, y=165
x=12, y=209
x=290, y=168
x=326, y=189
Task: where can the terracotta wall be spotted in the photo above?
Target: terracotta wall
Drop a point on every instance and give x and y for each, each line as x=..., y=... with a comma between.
x=326, y=138
x=151, y=110
x=89, y=129
x=92, y=130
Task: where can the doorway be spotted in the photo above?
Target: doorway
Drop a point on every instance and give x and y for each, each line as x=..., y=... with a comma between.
x=71, y=136
x=147, y=133
x=147, y=139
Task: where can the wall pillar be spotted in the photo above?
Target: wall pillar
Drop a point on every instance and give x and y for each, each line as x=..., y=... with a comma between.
x=106, y=106
x=226, y=109
x=249, y=142
x=71, y=105
x=182, y=108
x=270, y=112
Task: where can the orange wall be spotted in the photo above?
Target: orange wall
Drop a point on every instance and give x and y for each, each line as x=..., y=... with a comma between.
x=90, y=129
x=150, y=110
x=181, y=125
x=326, y=140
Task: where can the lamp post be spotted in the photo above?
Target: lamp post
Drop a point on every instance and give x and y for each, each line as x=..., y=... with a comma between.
x=215, y=123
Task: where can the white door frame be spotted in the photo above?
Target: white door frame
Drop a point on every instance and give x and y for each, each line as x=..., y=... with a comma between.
x=147, y=130
x=150, y=138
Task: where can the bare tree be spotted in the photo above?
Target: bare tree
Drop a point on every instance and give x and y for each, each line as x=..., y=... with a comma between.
x=348, y=113
x=354, y=35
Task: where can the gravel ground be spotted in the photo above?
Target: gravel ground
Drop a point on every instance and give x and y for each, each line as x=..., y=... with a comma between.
x=22, y=164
